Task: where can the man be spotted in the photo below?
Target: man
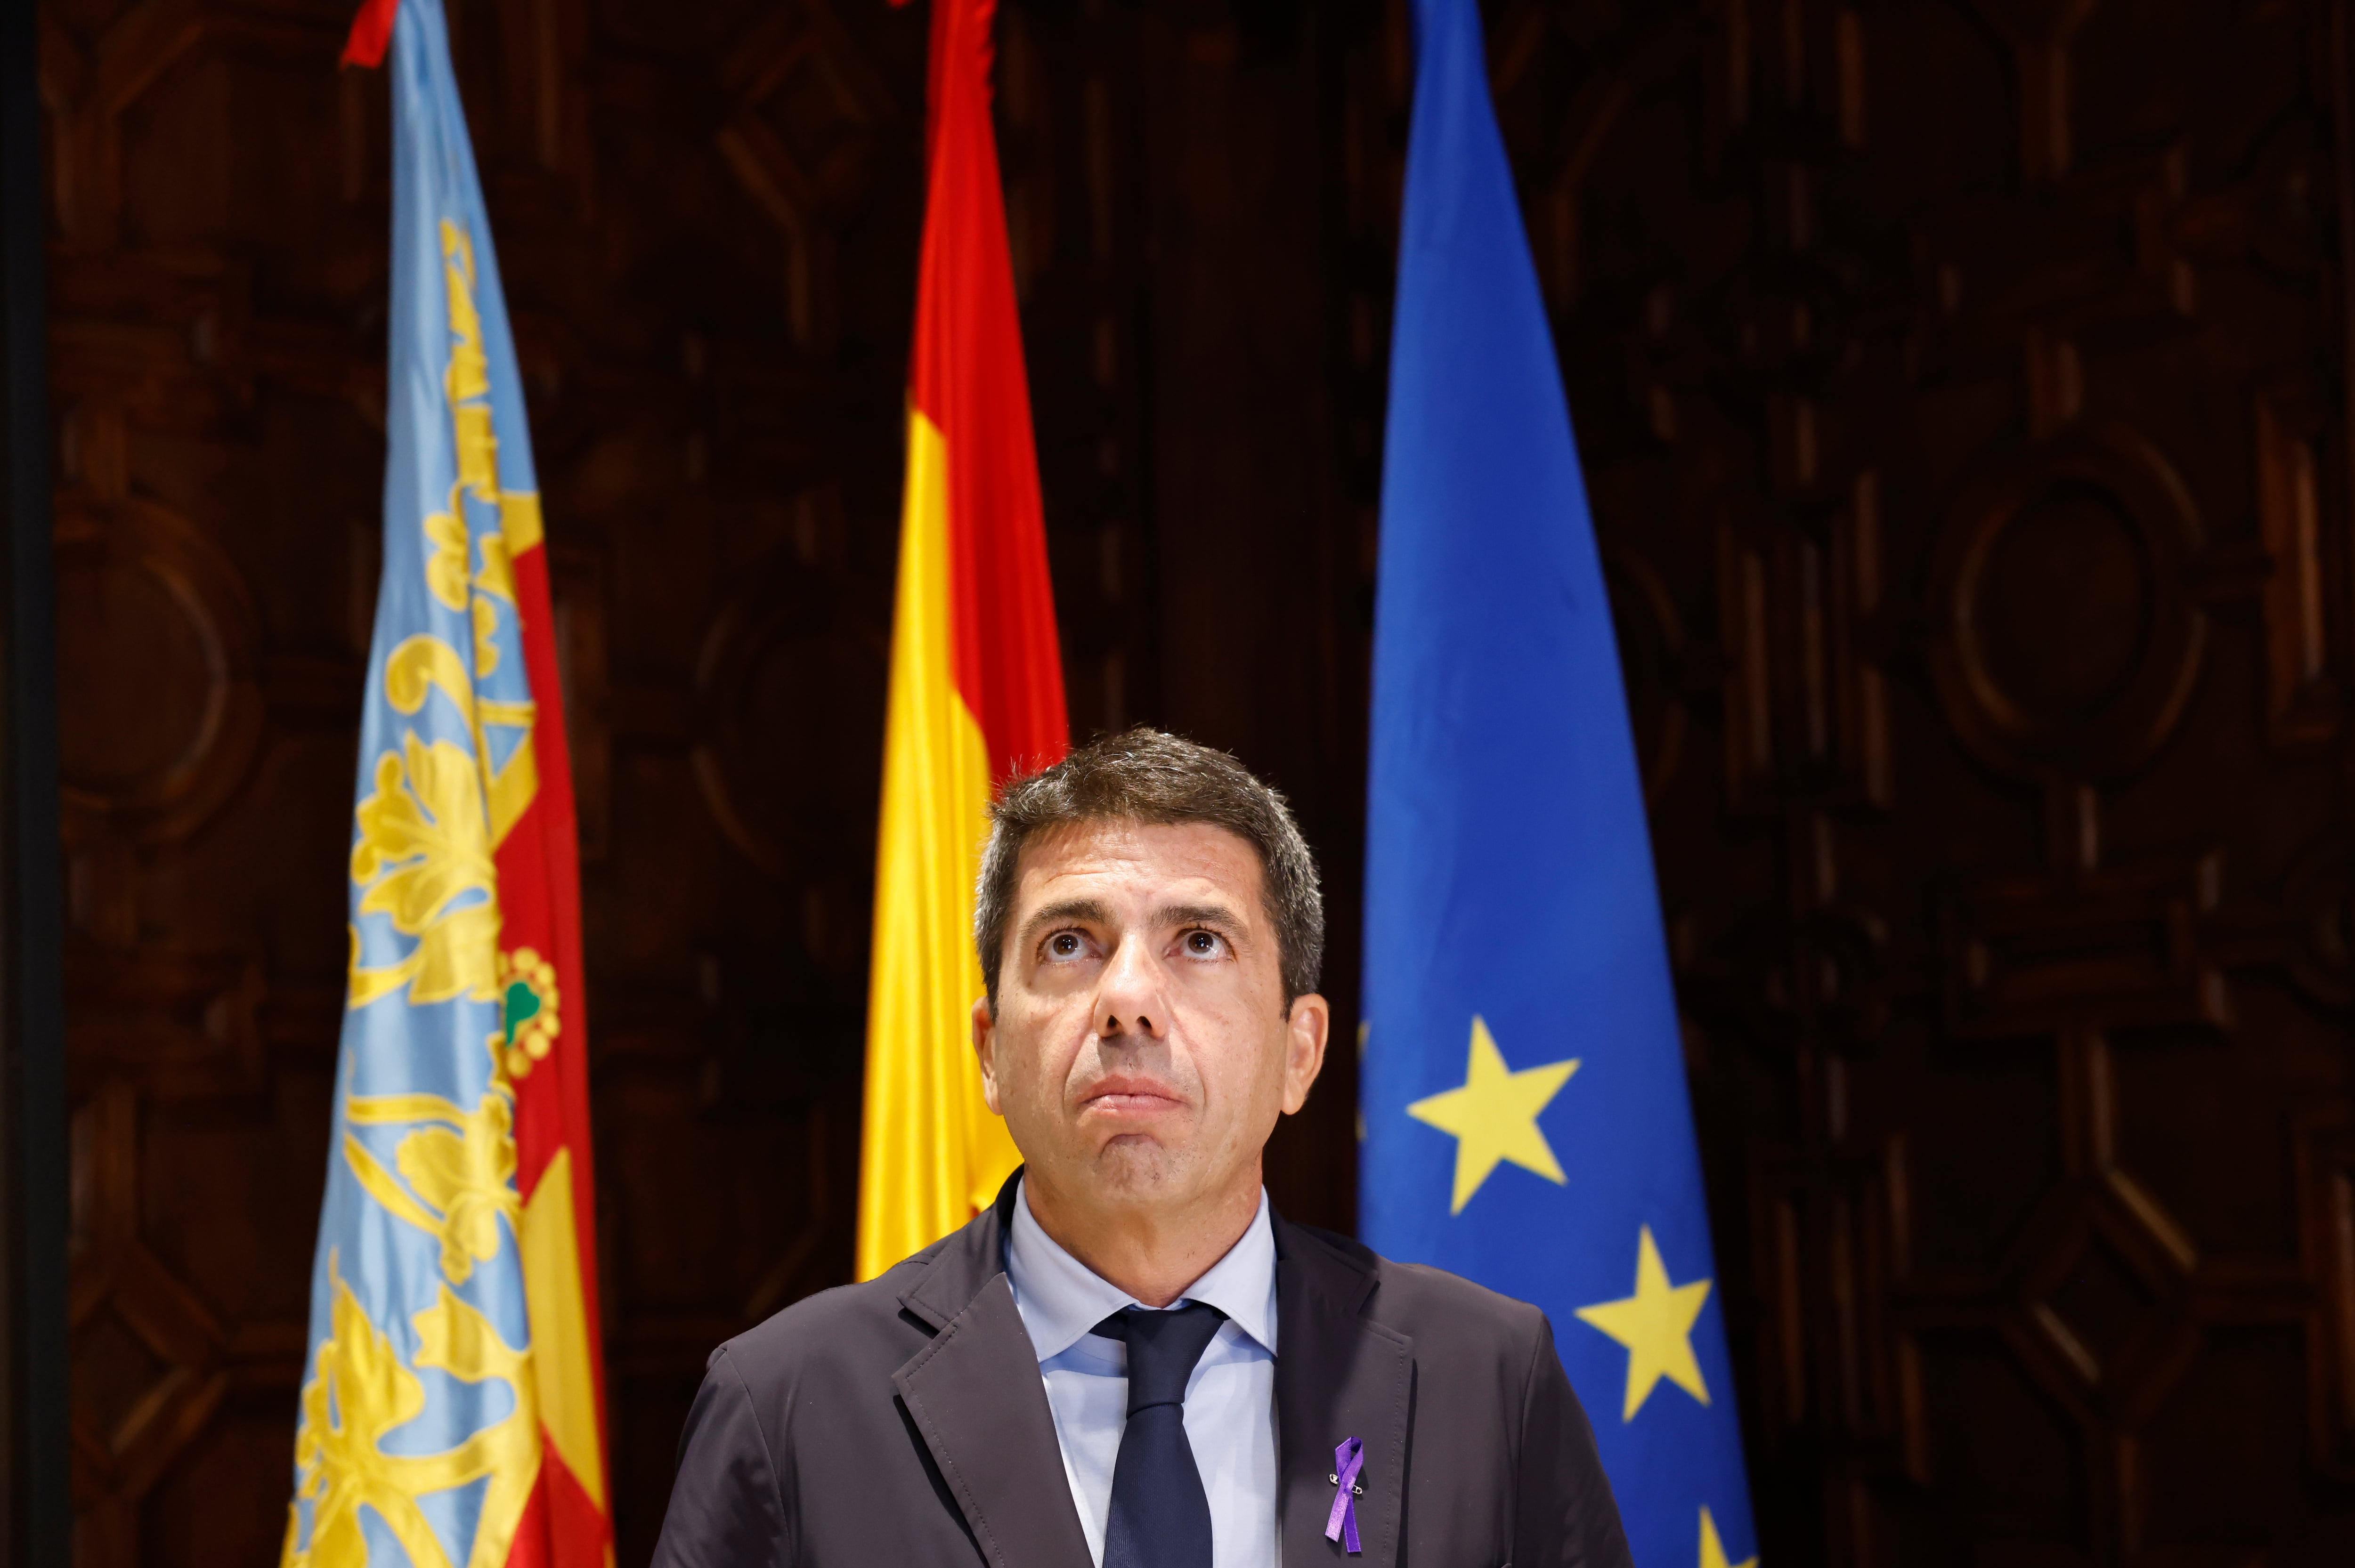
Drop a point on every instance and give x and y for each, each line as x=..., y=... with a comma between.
x=1130, y=1361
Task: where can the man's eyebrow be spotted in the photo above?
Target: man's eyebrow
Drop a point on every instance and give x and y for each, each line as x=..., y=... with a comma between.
x=1217, y=914
x=1069, y=909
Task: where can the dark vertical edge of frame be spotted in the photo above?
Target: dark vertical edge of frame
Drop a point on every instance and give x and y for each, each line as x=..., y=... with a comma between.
x=33, y=1436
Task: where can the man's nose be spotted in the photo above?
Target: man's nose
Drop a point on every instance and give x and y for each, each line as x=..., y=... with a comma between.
x=1128, y=998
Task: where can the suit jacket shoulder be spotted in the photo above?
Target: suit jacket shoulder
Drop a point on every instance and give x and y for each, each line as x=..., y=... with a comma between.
x=832, y=1332
x=900, y=1420
x=1415, y=1294
x=1493, y=1461
x=737, y=1498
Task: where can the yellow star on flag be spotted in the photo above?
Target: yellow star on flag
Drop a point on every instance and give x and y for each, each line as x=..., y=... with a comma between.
x=1493, y=1117
x=1656, y=1325
x=1712, y=1550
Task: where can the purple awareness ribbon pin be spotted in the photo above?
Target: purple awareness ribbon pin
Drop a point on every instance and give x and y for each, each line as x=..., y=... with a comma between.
x=1348, y=1459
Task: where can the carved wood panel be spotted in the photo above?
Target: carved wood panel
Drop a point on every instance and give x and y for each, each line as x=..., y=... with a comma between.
x=1962, y=390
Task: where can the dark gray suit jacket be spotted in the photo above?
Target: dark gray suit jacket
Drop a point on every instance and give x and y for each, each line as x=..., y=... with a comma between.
x=903, y=1422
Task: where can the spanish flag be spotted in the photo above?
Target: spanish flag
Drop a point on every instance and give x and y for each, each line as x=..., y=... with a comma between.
x=451, y=1410
x=977, y=692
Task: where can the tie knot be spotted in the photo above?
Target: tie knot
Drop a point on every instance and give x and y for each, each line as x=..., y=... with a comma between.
x=1162, y=1348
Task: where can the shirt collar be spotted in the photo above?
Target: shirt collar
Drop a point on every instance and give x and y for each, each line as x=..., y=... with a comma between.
x=1062, y=1300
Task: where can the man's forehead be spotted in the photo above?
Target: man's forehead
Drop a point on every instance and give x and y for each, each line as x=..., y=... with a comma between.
x=1116, y=855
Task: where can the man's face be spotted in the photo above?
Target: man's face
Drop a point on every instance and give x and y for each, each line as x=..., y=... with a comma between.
x=1141, y=1049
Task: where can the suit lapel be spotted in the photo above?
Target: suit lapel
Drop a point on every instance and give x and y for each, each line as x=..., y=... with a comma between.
x=1337, y=1376
x=974, y=1394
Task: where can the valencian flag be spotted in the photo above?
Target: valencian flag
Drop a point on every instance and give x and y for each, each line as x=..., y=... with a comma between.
x=977, y=692
x=451, y=1402
x=1525, y=1112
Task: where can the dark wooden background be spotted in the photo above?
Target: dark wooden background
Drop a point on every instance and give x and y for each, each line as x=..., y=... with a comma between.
x=1963, y=392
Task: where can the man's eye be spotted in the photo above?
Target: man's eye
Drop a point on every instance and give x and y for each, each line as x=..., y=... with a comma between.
x=1204, y=943
x=1065, y=945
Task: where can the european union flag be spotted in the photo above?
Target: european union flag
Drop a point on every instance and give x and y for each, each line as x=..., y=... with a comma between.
x=1525, y=1120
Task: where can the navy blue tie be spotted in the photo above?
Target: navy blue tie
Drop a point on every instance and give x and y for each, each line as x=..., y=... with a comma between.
x=1160, y=1516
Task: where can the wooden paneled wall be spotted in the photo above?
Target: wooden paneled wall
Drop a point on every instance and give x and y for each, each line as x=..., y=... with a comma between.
x=1963, y=389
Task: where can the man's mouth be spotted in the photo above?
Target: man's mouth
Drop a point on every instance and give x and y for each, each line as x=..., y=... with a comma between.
x=1123, y=1097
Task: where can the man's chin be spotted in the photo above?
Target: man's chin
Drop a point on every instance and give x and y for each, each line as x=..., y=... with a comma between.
x=1139, y=1167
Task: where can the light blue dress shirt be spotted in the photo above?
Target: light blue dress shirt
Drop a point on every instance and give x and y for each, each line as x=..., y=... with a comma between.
x=1229, y=1402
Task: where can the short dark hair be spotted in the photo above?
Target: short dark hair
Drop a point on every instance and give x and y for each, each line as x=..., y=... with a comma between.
x=1144, y=776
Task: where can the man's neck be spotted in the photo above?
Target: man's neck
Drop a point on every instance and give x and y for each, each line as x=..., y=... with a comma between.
x=1151, y=1252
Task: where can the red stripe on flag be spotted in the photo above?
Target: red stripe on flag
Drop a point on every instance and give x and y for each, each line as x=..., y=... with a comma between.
x=539, y=898
x=576, y=1532
x=968, y=380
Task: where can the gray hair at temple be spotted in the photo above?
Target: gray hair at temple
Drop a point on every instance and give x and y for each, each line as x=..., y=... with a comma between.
x=1144, y=776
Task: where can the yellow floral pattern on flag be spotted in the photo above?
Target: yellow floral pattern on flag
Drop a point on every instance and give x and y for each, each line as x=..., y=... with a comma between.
x=457, y=1170
x=469, y=378
x=424, y=843
x=452, y=777
x=445, y=562
x=359, y=1392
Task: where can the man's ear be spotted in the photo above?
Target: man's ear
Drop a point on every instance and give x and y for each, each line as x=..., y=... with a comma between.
x=1305, y=1029
x=984, y=1046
